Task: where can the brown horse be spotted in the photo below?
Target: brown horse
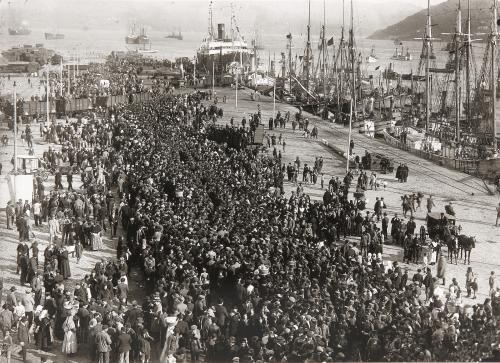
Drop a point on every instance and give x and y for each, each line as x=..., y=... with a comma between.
x=453, y=248
x=466, y=244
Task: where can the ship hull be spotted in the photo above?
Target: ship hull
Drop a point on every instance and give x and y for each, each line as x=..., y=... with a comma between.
x=174, y=36
x=51, y=36
x=19, y=31
x=137, y=40
x=220, y=61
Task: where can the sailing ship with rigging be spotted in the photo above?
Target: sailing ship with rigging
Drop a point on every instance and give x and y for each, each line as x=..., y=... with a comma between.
x=174, y=35
x=137, y=38
x=401, y=55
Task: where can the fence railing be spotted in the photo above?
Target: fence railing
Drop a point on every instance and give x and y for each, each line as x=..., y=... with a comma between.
x=469, y=166
x=61, y=106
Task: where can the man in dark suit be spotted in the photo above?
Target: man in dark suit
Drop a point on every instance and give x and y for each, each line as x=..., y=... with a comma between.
x=124, y=345
x=122, y=291
x=58, y=179
x=221, y=314
x=24, y=266
x=23, y=337
x=133, y=315
x=69, y=179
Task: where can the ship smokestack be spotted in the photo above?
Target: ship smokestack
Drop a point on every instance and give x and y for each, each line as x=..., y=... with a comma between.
x=220, y=31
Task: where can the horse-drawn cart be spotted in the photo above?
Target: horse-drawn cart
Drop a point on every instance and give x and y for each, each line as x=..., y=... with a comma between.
x=441, y=225
x=375, y=162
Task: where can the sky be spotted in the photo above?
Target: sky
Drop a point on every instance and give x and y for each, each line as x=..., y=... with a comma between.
x=192, y=15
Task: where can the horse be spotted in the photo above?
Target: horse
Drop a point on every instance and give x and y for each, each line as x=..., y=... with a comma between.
x=453, y=248
x=466, y=243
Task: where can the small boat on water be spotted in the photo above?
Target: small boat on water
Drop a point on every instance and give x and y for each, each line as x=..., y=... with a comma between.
x=54, y=36
x=19, y=31
x=372, y=58
x=173, y=35
x=147, y=51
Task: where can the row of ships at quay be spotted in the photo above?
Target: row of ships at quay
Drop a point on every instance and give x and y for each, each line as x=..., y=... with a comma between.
x=449, y=110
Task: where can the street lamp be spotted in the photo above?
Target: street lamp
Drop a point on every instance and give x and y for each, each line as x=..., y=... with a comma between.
x=15, y=127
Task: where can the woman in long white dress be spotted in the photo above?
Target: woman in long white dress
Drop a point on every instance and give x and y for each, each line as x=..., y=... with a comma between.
x=96, y=238
x=69, y=345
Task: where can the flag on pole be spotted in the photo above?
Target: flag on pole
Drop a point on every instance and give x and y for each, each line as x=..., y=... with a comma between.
x=330, y=42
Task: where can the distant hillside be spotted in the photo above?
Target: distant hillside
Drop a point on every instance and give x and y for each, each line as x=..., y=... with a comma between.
x=443, y=20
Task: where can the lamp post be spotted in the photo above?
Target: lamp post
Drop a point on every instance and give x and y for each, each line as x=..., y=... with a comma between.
x=48, y=96
x=349, y=138
x=15, y=128
x=213, y=77
x=194, y=71
x=237, y=75
x=274, y=98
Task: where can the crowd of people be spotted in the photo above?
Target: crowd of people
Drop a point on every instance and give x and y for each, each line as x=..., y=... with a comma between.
x=234, y=269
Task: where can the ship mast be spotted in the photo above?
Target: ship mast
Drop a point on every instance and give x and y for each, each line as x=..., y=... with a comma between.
x=428, y=36
x=467, y=66
x=340, y=53
x=458, y=38
x=493, y=74
x=289, y=36
x=353, y=61
x=323, y=68
x=210, y=21
x=308, y=49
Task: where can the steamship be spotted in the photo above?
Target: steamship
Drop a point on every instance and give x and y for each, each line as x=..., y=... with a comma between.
x=219, y=52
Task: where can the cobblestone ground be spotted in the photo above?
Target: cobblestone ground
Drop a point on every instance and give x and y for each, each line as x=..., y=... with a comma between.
x=475, y=209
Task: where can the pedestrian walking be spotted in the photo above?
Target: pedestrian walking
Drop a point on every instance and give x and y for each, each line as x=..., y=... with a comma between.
x=430, y=204
x=492, y=283
x=498, y=214
x=441, y=268
x=23, y=337
x=470, y=278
